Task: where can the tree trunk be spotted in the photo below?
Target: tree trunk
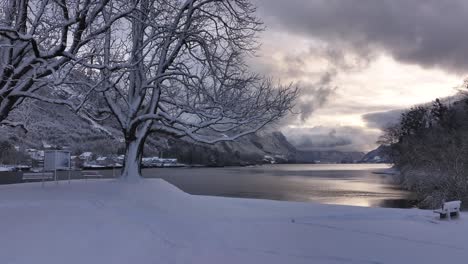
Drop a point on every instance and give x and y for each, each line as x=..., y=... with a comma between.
x=133, y=154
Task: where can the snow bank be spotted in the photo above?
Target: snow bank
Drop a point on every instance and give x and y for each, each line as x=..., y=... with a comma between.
x=105, y=221
x=3, y=169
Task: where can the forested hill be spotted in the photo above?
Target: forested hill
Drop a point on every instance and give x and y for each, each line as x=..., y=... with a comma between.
x=430, y=148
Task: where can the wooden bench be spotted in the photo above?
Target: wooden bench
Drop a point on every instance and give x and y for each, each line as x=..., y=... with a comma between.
x=38, y=176
x=91, y=174
x=449, y=209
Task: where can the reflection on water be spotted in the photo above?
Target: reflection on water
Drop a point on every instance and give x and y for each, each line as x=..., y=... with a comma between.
x=345, y=184
x=328, y=184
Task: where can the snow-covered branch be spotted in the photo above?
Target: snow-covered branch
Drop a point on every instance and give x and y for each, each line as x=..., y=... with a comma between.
x=39, y=38
x=14, y=125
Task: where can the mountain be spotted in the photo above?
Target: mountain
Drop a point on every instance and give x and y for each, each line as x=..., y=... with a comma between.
x=378, y=155
x=329, y=156
x=262, y=147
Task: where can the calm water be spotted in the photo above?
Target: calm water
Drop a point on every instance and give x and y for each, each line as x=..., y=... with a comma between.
x=344, y=184
x=354, y=184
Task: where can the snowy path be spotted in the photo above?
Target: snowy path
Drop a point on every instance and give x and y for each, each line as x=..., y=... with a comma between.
x=154, y=222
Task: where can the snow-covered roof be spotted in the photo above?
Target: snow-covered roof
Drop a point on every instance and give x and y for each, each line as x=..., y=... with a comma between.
x=46, y=145
x=86, y=155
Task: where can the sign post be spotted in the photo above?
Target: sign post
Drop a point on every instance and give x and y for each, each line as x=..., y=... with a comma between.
x=57, y=160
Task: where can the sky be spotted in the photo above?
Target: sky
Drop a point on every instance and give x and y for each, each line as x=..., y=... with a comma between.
x=359, y=63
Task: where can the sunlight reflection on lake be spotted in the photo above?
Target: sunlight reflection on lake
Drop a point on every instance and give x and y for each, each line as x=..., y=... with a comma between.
x=344, y=184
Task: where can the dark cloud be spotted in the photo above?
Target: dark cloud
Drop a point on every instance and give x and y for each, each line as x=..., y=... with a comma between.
x=316, y=95
x=382, y=120
x=320, y=141
x=347, y=61
x=337, y=58
x=345, y=138
x=431, y=33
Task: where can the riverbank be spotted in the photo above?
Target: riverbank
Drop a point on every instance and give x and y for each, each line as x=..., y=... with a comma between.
x=151, y=221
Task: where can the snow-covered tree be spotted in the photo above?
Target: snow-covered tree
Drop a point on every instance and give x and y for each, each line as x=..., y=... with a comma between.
x=39, y=38
x=177, y=67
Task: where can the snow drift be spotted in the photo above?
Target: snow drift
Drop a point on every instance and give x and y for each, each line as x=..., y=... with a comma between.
x=151, y=221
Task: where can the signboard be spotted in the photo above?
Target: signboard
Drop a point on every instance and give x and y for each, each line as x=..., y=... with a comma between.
x=56, y=160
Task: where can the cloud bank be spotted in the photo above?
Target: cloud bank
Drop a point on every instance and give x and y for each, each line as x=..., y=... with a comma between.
x=326, y=138
x=430, y=33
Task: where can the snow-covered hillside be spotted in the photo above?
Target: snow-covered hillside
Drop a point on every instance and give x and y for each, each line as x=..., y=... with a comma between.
x=153, y=222
x=60, y=127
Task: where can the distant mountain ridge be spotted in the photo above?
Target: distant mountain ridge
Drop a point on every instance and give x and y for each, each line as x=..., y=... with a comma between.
x=328, y=156
x=378, y=155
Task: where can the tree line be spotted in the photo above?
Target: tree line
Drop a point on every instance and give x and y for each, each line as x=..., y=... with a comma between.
x=429, y=147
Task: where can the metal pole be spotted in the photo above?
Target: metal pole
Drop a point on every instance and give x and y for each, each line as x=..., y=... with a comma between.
x=43, y=168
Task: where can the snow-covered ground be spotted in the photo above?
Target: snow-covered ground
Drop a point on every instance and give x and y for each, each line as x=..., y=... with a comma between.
x=5, y=168
x=107, y=221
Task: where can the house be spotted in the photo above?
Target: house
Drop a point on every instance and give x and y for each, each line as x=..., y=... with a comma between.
x=86, y=156
x=158, y=162
x=35, y=154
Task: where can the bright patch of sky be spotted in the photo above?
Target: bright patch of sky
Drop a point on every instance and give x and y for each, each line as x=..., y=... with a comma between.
x=342, y=82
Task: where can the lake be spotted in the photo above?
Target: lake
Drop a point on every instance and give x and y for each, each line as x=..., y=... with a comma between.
x=345, y=184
